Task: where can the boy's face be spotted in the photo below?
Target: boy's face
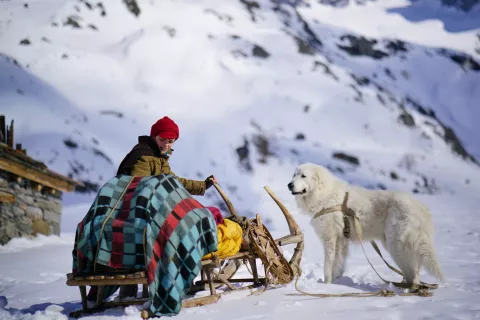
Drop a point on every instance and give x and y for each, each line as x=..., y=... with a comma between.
x=164, y=144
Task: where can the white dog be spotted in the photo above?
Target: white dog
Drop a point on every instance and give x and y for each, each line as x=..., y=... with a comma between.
x=402, y=223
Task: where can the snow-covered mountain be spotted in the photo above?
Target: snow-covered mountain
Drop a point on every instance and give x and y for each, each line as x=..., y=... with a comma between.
x=256, y=87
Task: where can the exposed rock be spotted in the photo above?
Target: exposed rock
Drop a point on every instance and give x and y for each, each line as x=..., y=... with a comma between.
x=112, y=113
x=304, y=47
x=220, y=16
x=87, y=187
x=263, y=147
x=243, y=153
x=345, y=157
x=361, y=81
x=133, y=7
x=464, y=60
x=299, y=136
x=70, y=144
x=87, y=4
x=394, y=175
x=406, y=119
x=326, y=69
x=25, y=42
x=251, y=6
x=258, y=51
x=389, y=74
x=449, y=135
x=170, y=31
x=99, y=153
x=396, y=46
x=72, y=21
x=103, y=12
x=361, y=46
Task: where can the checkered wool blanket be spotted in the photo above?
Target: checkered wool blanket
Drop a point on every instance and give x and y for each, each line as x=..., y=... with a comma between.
x=178, y=232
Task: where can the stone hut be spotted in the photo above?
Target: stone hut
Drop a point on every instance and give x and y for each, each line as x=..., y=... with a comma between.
x=30, y=193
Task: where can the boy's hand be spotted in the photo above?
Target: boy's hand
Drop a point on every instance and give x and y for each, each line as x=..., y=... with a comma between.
x=210, y=181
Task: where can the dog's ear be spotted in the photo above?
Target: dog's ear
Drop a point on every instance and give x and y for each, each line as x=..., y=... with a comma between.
x=317, y=176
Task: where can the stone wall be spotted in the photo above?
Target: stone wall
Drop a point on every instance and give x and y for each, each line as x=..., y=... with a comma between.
x=32, y=212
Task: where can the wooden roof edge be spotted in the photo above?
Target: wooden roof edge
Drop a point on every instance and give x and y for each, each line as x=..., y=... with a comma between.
x=43, y=170
x=65, y=178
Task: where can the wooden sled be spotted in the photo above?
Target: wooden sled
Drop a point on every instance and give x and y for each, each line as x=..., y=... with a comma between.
x=215, y=272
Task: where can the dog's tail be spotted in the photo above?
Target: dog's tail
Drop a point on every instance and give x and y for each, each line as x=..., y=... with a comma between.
x=430, y=261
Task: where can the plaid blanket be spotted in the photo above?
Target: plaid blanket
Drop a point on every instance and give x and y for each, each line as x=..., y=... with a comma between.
x=177, y=229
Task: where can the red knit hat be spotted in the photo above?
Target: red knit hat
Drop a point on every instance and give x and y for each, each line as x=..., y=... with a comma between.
x=165, y=128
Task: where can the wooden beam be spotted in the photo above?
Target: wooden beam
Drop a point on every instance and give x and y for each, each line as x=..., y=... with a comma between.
x=10, y=136
x=38, y=187
x=37, y=176
x=50, y=191
x=106, y=282
x=6, y=197
x=2, y=130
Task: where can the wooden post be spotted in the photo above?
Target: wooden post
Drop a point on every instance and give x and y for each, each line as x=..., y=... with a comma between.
x=18, y=147
x=2, y=130
x=10, y=135
x=253, y=265
x=100, y=296
x=83, y=294
x=145, y=291
x=210, y=282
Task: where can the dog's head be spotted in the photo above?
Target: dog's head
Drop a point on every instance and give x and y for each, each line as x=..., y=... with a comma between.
x=313, y=185
x=305, y=179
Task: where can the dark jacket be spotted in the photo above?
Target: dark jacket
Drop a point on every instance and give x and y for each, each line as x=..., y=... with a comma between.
x=145, y=159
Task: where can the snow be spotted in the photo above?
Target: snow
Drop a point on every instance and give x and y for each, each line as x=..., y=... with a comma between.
x=195, y=62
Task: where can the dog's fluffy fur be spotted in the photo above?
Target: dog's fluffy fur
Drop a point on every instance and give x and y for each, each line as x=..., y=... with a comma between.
x=402, y=223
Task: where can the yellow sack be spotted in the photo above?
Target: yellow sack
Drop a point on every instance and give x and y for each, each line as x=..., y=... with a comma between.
x=229, y=239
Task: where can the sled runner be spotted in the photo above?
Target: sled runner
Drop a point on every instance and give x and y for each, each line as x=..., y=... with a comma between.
x=258, y=245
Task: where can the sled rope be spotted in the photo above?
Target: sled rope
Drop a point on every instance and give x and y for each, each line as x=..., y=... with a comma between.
x=377, y=249
x=358, y=229
x=106, y=219
x=380, y=293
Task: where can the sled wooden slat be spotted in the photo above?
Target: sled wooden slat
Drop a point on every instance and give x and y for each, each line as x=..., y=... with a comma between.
x=106, y=282
x=239, y=280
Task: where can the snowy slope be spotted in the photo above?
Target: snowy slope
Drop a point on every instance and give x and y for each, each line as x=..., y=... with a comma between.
x=213, y=69
x=256, y=88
